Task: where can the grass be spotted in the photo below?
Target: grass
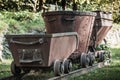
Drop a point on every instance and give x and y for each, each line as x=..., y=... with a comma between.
x=5, y=68
x=111, y=72
x=106, y=73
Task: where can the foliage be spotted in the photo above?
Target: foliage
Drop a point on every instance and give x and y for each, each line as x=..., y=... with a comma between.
x=103, y=5
x=82, y=5
x=15, y=5
x=6, y=51
x=103, y=47
x=19, y=23
x=23, y=21
x=3, y=26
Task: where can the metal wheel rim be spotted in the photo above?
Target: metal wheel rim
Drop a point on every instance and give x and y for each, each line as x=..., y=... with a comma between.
x=91, y=58
x=101, y=57
x=67, y=66
x=84, y=61
x=58, y=68
x=15, y=70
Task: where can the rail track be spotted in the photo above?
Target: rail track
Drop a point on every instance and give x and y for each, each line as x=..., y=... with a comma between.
x=75, y=73
x=78, y=72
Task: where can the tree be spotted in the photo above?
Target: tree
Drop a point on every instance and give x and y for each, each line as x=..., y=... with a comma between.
x=82, y=5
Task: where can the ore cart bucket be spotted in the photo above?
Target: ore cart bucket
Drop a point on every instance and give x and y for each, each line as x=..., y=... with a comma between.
x=71, y=21
x=102, y=24
x=39, y=50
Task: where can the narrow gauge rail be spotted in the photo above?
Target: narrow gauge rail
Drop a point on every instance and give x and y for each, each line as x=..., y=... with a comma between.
x=79, y=72
x=65, y=76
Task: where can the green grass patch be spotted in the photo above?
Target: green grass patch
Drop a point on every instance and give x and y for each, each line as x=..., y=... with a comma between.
x=116, y=53
x=106, y=73
x=111, y=72
x=5, y=68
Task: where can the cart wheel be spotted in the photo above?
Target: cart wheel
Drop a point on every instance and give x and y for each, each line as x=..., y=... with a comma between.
x=14, y=69
x=84, y=60
x=91, y=58
x=67, y=66
x=58, y=68
x=26, y=70
x=101, y=57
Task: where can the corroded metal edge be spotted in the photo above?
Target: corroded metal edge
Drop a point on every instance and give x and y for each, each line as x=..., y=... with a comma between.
x=76, y=13
x=43, y=35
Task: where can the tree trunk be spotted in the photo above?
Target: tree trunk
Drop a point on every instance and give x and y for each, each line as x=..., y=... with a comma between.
x=40, y=5
x=1, y=48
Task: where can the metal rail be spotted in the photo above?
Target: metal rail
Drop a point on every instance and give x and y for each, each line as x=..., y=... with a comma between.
x=78, y=72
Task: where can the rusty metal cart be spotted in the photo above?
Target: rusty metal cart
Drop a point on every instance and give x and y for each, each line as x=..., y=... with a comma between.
x=70, y=36
x=102, y=25
x=36, y=51
x=72, y=21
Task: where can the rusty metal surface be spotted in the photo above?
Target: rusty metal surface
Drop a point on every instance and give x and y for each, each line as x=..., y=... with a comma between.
x=77, y=13
x=102, y=24
x=84, y=26
x=101, y=35
x=71, y=21
x=35, y=50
